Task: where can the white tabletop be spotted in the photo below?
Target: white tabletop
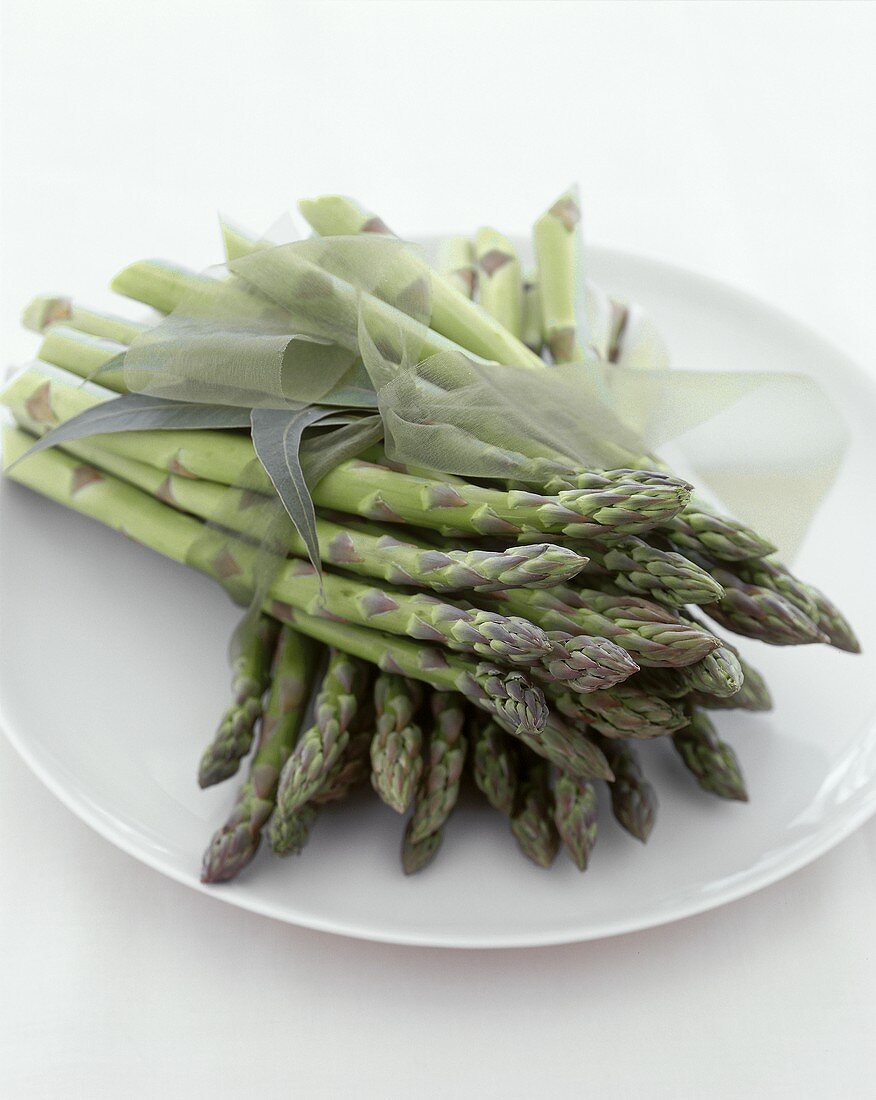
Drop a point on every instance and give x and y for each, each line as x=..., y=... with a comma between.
x=734, y=139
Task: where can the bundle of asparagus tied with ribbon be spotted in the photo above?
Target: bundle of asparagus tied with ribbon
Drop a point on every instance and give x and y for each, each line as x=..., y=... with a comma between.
x=430, y=485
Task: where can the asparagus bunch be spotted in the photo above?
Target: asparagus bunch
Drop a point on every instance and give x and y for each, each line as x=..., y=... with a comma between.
x=534, y=631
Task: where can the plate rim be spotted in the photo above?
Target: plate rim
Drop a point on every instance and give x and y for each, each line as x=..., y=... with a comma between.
x=854, y=813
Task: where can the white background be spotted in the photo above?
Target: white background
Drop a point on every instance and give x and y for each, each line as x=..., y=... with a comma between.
x=736, y=139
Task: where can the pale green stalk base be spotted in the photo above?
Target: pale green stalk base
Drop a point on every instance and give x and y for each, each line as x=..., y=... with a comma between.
x=556, y=250
x=500, y=280
x=456, y=264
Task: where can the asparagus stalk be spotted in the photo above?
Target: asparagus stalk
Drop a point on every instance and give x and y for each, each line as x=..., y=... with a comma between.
x=537, y=565
x=397, y=745
x=84, y=355
x=772, y=613
x=250, y=678
x=418, y=854
x=495, y=763
x=566, y=744
x=531, y=324
x=533, y=823
x=92, y=492
x=633, y=799
x=45, y=312
x=753, y=695
x=554, y=235
x=235, y=844
x=456, y=265
x=773, y=575
x=761, y=613
x=439, y=787
x=453, y=315
x=289, y=833
x=622, y=711
x=651, y=634
x=832, y=623
x=354, y=764
x=719, y=675
x=500, y=280
x=701, y=530
x=710, y=760
x=637, y=567
x=159, y=283
x=321, y=746
x=575, y=816
x=622, y=504
x=583, y=663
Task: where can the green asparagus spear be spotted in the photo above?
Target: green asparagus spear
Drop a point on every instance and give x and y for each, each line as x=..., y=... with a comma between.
x=456, y=264
x=754, y=694
x=832, y=623
x=250, y=678
x=290, y=832
x=566, y=743
x=354, y=764
x=773, y=575
x=575, y=816
x=700, y=529
x=235, y=844
x=45, y=312
x=418, y=854
x=583, y=663
x=651, y=634
x=556, y=247
x=321, y=746
x=158, y=283
x=85, y=355
x=495, y=763
x=397, y=745
x=718, y=675
x=633, y=799
x=533, y=823
x=439, y=788
x=622, y=711
x=710, y=760
x=640, y=569
x=761, y=613
x=500, y=280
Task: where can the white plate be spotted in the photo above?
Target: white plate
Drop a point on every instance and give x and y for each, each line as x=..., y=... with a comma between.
x=112, y=674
